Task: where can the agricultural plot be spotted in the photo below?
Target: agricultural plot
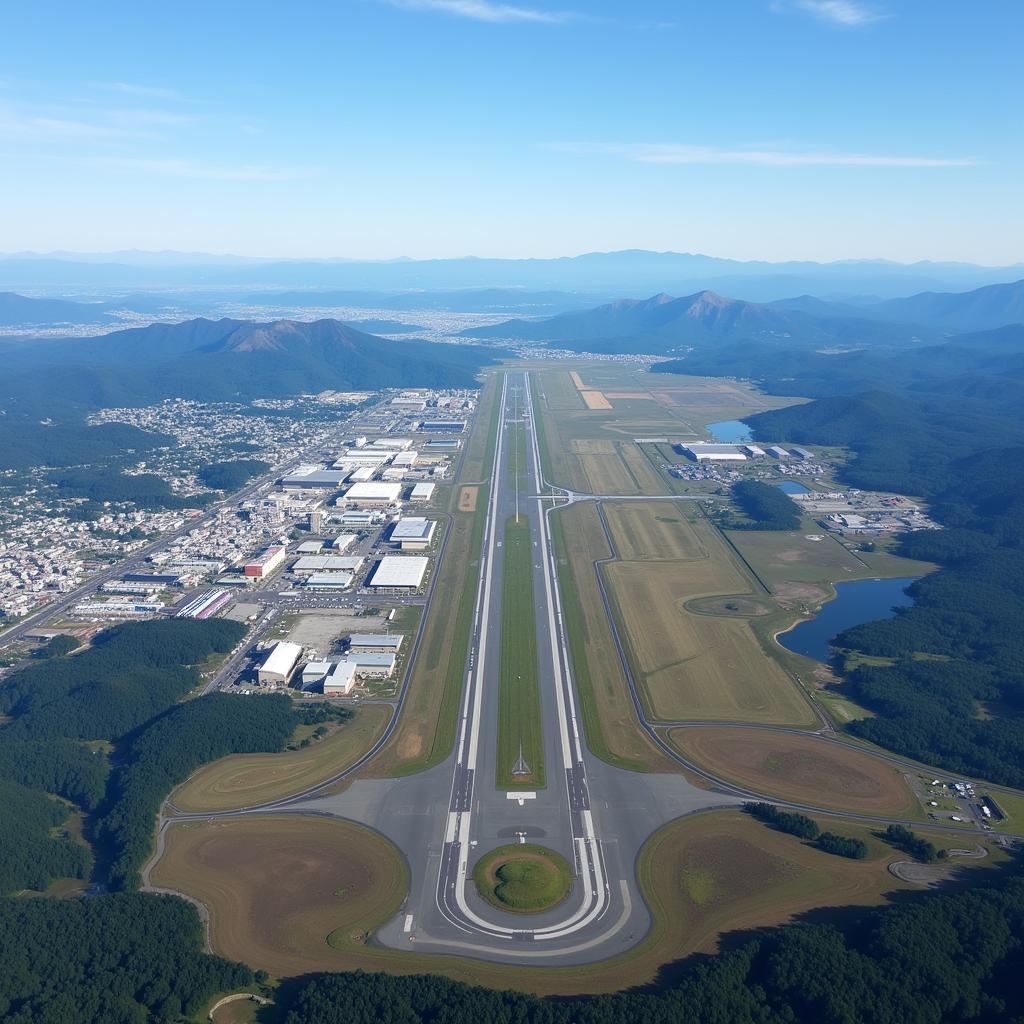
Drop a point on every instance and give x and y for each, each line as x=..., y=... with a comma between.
x=800, y=768
x=612, y=729
x=654, y=531
x=243, y=780
x=277, y=889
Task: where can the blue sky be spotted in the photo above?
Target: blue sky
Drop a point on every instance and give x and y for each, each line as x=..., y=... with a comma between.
x=771, y=129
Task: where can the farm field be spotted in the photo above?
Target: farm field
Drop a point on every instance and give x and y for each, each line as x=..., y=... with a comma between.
x=613, y=732
x=242, y=780
x=654, y=531
x=519, y=717
x=277, y=888
x=693, y=665
x=804, y=769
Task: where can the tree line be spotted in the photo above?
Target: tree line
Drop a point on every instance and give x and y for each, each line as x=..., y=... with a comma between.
x=767, y=507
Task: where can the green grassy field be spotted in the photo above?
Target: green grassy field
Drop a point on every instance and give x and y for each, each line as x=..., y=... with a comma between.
x=426, y=730
x=523, y=878
x=519, y=718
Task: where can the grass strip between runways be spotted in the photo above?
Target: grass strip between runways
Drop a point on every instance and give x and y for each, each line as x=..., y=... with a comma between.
x=519, y=719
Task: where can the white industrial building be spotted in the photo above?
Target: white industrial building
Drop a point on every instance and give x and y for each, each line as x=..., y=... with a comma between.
x=753, y=449
x=414, y=533
x=715, y=452
x=279, y=665
x=422, y=492
x=361, y=475
x=343, y=542
x=375, y=643
x=405, y=459
x=313, y=673
x=327, y=563
x=399, y=572
x=328, y=580
x=393, y=443
x=316, y=479
x=310, y=547
x=779, y=453
x=373, y=494
x=341, y=679
x=361, y=519
x=375, y=665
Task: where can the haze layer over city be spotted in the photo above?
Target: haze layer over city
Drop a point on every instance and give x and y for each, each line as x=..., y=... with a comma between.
x=511, y=511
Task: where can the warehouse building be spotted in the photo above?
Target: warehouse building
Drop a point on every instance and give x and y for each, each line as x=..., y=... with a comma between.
x=313, y=673
x=371, y=666
x=266, y=562
x=372, y=495
x=397, y=572
x=318, y=479
x=700, y=452
x=361, y=475
x=375, y=643
x=310, y=547
x=422, y=492
x=413, y=533
x=358, y=519
x=343, y=542
x=328, y=580
x=754, y=450
x=802, y=453
x=393, y=443
x=341, y=679
x=327, y=563
x=279, y=665
x=777, y=452
x=443, y=426
x=443, y=445
x=118, y=609
x=155, y=579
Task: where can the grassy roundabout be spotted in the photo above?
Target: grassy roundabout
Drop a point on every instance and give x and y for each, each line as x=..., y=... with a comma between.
x=523, y=878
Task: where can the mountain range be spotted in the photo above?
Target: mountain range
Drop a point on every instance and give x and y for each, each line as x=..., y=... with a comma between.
x=606, y=273
x=663, y=324
x=226, y=360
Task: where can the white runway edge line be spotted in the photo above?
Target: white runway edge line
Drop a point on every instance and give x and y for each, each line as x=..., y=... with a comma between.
x=590, y=859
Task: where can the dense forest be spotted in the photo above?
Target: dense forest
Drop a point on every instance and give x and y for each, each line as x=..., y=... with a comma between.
x=123, y=690
x=231, y=475
x=144, y=490
x=939, y=959
x=30, y=855
x=167, y=751
x=121, y=959
x=766, y=507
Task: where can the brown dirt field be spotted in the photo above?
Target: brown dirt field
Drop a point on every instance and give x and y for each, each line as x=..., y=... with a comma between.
x=577, y=380
x=467, y=499
x=245, y=779
x=276, y=888
x=592, y=446
x=801, y=768
x=595, y=400
x=627, y=394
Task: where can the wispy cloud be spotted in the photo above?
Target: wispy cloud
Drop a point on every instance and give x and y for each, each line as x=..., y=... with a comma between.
x=198, y=170
x=653, y=153
x=36, y=128
x=151, y=92
x=845, y=13
x=484, y=10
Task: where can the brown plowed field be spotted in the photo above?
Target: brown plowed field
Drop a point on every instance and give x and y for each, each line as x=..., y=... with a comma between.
x=800, y=768
x=277, y=887
x=467, y=499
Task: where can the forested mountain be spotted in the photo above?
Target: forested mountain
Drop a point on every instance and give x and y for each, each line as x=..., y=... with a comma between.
x=217, y=360
x=16, y=310
x=663, y=324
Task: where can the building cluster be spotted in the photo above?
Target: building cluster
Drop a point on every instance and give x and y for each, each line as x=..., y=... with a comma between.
x=864, y=513
x=367, y=656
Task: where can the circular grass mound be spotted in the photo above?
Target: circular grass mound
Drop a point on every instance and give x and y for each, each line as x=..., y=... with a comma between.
x=523, y=878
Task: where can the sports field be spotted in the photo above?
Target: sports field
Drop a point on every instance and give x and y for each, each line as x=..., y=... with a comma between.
x=277, y=888
x=520, y=733
x=804, y=769
x=243, y=780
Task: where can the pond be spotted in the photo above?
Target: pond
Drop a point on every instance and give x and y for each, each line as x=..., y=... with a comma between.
x=792, y=487
x=856, y=602
x=729, y=431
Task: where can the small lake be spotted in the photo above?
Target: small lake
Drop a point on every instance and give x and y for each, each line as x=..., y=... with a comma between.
x=792, y=487
x=856, y=602
x=730, y=431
